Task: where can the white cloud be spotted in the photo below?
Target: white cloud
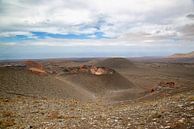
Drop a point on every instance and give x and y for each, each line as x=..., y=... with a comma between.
x=14, y=33
x=139, y=20
x=76, y=42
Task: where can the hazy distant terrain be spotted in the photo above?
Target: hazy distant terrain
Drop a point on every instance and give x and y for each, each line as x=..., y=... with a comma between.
x=183, y=55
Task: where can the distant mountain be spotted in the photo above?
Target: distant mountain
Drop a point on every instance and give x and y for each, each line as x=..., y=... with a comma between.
x=183, y=55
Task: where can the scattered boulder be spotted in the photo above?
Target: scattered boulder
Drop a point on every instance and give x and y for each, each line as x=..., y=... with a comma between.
x=152, y=90
x=164, y=85
x=167, y=84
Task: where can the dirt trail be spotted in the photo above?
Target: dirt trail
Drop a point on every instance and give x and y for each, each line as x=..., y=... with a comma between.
x=86, y=94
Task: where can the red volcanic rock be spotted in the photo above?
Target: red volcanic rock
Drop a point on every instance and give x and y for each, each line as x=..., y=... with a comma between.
x=83, y=68
x=167, y=84
x=33, y=64
x=163, y=85
x=100, y=70
x=35, y=67
x=89, y=69
x=170, y=84
x=37, y=71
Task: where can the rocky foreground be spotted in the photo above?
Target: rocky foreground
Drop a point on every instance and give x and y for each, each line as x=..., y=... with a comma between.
x=23, y=112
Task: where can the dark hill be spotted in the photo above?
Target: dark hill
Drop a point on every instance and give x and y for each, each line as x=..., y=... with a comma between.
x=24, y=83
x=99, y=84
x=115, y=63
x=82, y=86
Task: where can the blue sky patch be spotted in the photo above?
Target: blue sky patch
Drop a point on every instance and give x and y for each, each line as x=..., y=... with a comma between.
x=44, y=35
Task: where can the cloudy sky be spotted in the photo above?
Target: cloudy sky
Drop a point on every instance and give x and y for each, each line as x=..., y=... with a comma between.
x=95, y=28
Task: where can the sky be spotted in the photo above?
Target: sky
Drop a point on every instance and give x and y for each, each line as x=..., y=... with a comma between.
x=95, y=28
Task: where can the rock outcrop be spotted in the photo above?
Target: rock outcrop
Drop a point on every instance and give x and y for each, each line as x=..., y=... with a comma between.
x=164, y=85
x=37, y=71
x=33, y=64
x=100, y=70
x=89, y=69
x=167, y=84
x=35, y=67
